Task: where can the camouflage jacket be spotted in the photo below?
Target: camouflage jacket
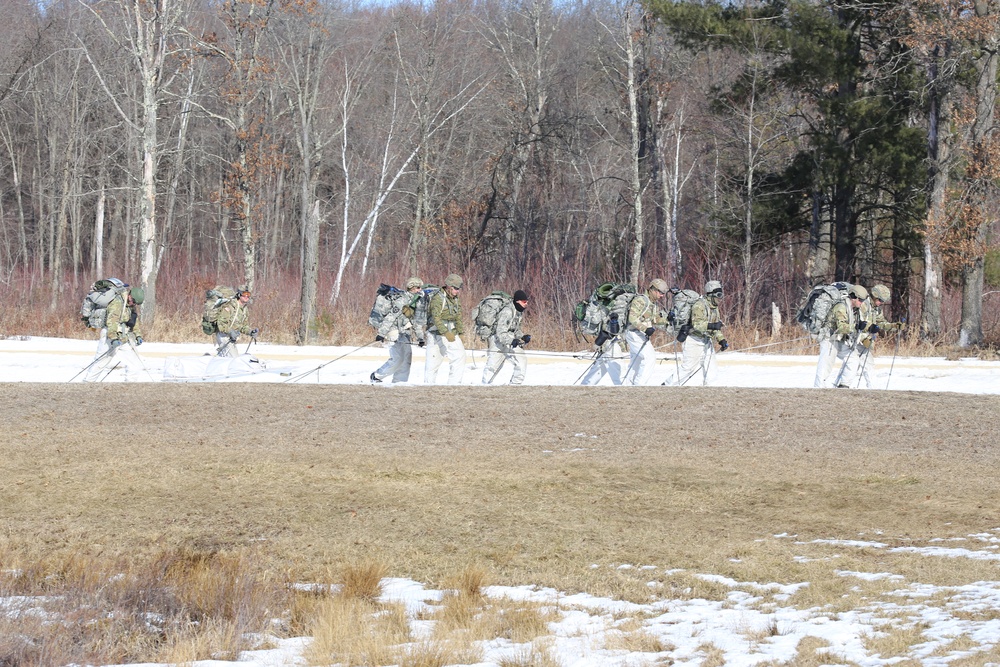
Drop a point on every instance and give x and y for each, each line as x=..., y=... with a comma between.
x=644, y=313
x=508, y=325
x=122, y=320
x=840, y=321
x=444, y=313
x=703, y=313
x=234, y=316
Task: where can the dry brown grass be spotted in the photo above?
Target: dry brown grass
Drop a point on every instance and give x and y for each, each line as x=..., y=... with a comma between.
x=231, y=492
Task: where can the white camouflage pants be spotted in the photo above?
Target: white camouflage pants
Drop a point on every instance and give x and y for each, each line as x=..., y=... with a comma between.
x=643, y=357
x=605, y=364
x=400, y=359
x=439, y=349
x=225, y=347
x=124, y=357
x=833, y=358
x=495, y=357
x=860, y=362
x=697, y=355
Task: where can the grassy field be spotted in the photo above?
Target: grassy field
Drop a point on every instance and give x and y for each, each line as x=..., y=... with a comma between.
x=526, y=485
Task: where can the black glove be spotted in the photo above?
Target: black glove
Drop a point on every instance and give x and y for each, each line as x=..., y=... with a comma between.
x=517, y=342
x=602, y=338
x=379, y=339
x=723, y=345
x=421, y=342
x=254, y=332
x=649, y=332
x=715, y=326
x=115, y=343
x=233, y=335
x=672, y=318
x=138, y=340
x=861, y=325
x=682, y=333
x=874, y=329
x=614, y=326
x=526, y=338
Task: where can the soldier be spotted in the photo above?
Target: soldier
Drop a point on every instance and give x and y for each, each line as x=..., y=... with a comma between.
x=698, y=351
x=871, y=323
x=838, y=337
x=643, y=318
x=400, y=330
x=234, y=319
x=444, y=332
x=120, y=336
x=507, y=340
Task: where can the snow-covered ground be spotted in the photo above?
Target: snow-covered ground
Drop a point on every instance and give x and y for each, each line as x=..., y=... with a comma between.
x=32, y=359
x=750, y=627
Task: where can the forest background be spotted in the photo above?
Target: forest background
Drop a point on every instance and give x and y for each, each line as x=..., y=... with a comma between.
x=312, y=150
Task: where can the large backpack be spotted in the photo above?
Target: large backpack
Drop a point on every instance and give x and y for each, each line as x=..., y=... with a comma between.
x=816, y=306
x=94, y=311
x=422, y=308
x=386, y=301
x=591, y=316
x=484, y=315
x=680, y=309
x=215, y=299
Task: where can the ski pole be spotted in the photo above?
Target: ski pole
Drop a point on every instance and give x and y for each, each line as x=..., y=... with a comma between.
x=141, y=362
x=894, y=352
x=497, y=371
x=88, y=366
x=634, y=359
x=253, y=339
x=601, y=351
x=299, y=377
x=110, y=371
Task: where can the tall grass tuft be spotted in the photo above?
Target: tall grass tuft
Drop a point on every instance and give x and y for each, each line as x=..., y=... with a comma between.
x=178, y=605
x=363, y=581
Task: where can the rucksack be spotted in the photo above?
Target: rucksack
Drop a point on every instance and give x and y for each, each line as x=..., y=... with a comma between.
x=386, y=298
x=484, y=315
x=592, y=315
x=422, y=307
x=816, y=306
x=680, y=309
x=215, y=299
x=94, y=311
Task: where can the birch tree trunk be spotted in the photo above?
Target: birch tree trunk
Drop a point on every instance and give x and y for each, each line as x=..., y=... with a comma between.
x=983, y=171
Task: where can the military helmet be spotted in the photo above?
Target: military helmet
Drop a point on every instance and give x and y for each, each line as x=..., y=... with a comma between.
x=414, y=282
x=138, y=295
x=882, y=293
x=858, y=292
x=713, y=286
x=454, y=280
x=659, y=285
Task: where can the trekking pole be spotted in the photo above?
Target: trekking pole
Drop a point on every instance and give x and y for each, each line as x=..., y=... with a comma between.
x=601, y=351
x=864, y=361
x=141, y=362
x=497, y=371
x=894, y=352
x=253, y=339
x=88, y=366
x=634, y=359
x=299, y=377
x=110, y=371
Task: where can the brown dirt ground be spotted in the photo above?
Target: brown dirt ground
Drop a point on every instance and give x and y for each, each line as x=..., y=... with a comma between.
x=535, y=482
